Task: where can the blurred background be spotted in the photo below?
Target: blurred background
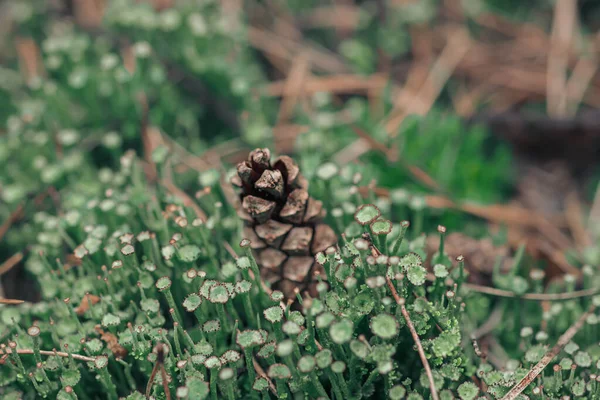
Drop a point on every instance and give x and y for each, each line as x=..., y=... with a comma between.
x=484, y=111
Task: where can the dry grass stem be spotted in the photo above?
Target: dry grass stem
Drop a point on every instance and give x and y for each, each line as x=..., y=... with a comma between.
x=11, y=301
x=4, y=353
x=415, y=336
x=548, y=357
x=579, y=83
x=261, y=372
x=565, y=12
x=457, y=47
x=335, y=84
x=293, y=87
x=574, y=216
x=533, y=296
x=10, y=263
x=12, y=218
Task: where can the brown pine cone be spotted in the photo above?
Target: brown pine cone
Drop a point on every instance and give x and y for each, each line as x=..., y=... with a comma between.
x=283, y=223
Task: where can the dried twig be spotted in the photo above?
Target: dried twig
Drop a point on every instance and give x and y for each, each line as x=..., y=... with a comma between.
x=457, y=47
x=89, y=13
x=418, y=174
x=335, y=84
x=185, y=198
x=574, y=217
x=14, y=216
x=346, y=17
x=490, y=324
x=548, y=357
x=147, y=141
x=286, y=49
x=11, y=301
x=294, y=86
x=5, y=352
x=509, y=214
x=532, y=296
x=261, y=372
x=579, y=83
x=565, y=13
x=30, y=59
x=10, y=263
x=159, y=365
x=285, y=135
x=594, y=217
x=415, y=336
x=351, y=152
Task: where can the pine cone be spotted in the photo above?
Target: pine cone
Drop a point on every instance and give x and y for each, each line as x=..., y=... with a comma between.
x=283, y=223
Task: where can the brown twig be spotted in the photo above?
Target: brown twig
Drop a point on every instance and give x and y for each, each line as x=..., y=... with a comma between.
x=185, y=198
x=594, y=217
x=532, y=296
x=418, y=174
x=11, y=301
x=159, y=365
x=415, y=336
x=261, y=372
x=89, y=13
x=516, y=216
x=230, y=250
x=147, y=141
x=335, y=84
x=79, y=357
x=574, y=217
x=548, y=357
x=579, y=83
x=457, y=47
x=30, y=59
x=294, y=86
x=509, y=214
x=12, y=218
x=490, y=324
x=10, y=263
x=346, y=17
x=565, y=12
x=284, y=136
x=287, y=48
x=351, y=152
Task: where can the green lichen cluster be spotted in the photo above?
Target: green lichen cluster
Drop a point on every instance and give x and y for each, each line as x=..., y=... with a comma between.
x=163, y=275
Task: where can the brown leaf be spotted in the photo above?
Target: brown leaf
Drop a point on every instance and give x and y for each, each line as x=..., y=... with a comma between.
x=87, y=301
x=112, y=342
